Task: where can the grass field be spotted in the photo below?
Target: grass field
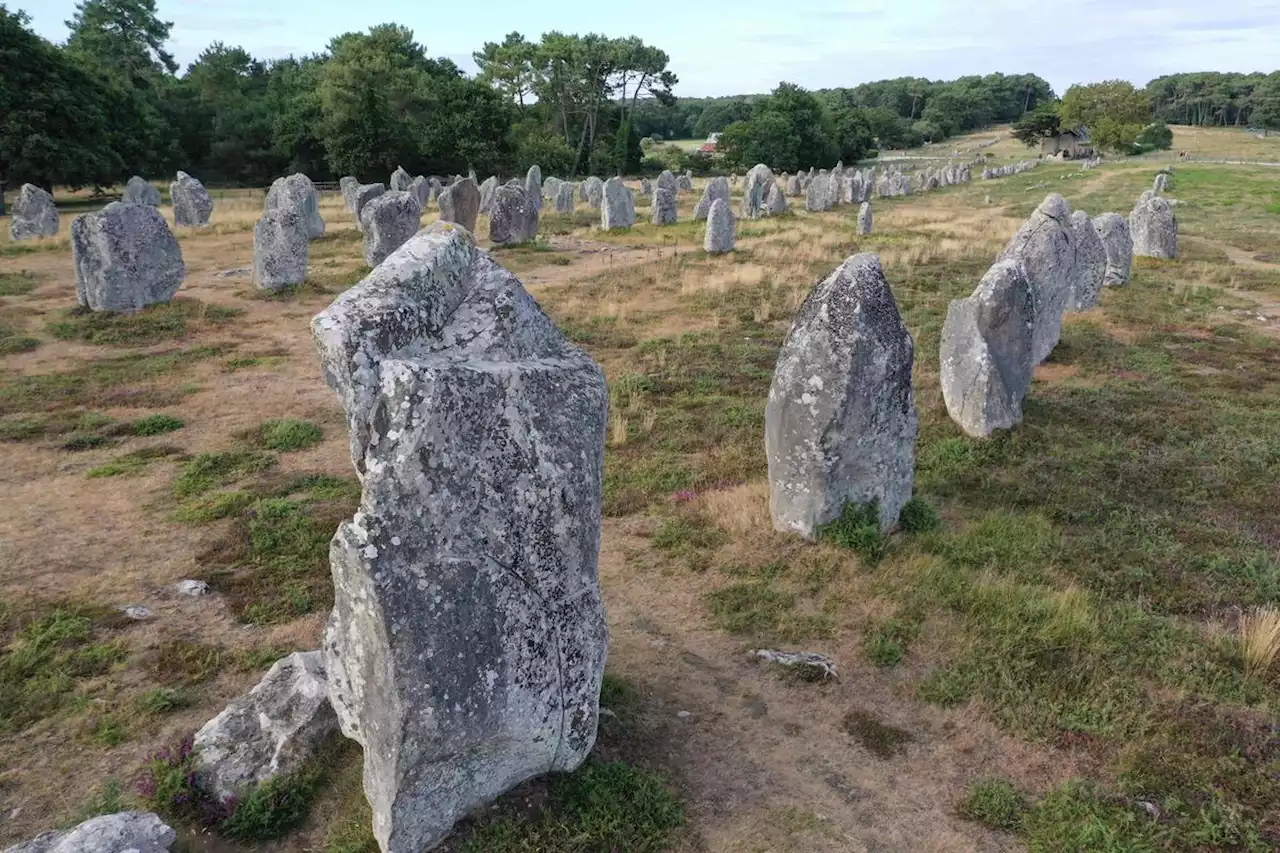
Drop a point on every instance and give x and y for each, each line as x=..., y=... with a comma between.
x=1062, y=654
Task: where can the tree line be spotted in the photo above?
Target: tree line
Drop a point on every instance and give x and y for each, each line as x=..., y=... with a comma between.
x=109, y=103
x=1213, y=98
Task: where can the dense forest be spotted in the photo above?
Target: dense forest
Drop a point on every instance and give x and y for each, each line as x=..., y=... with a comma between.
x=110, y=102
x=1211, y=98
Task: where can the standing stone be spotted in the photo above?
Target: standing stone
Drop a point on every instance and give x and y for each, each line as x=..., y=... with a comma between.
x=1161, y=183
x=280, y=249
x=864, y=219
x=349, y=186
x=550, y=188
x=817, y=198
x=433, y=188
x=122, y=832
x=364, y=194
x=34, y=214
x=720, y=224
x=1154, y=228
x=533, y=186
x=486, y=194
x=192, y=205
x=664, y=207
x=460, y=202
x=467, y=643
x=758, y=179
x=125, y=258
x=1045, y=244
x=564, y=198
x=618, y=208
x=684, y=183
x=1091, y=263
x=775, y=201
x=646, y=188
x=594, y=189
x=387, y=222
x=513, y=218
x=840, y=424
x=715, y=188
x=1114, y=231
x=139, y=191
x=421, y=190
x=296, y=191
x=400, y=180
x=793, y=186
x=273, y=729
x=667, y=181
x=986, y=355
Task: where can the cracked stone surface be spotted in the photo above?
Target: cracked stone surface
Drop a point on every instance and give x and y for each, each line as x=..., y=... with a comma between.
x=754, y=189
x=122, y=832
x=192, y=205
x=720, y=228
x=1091, y=263
x=985, y=359
x=125, y=258
x=270, y=731
x=34, y=214
x=296, y=191
x=1114, y=231
x=460, y=202
x=840, y=424
x=467, y=642
x=715, y=188
x=1046, y=245
x=139, y=191
x=618, y=208
x=1154, y=228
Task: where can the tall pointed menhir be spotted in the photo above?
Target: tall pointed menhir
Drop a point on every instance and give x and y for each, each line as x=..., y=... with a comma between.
x=840, y=424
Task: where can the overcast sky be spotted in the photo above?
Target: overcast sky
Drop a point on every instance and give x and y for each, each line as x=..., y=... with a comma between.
x=722, y=47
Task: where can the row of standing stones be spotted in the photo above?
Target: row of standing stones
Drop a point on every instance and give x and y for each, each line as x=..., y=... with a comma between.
x=466, y=647
x=130, y=259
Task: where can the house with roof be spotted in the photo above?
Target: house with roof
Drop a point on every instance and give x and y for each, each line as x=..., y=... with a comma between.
x=1070, y=144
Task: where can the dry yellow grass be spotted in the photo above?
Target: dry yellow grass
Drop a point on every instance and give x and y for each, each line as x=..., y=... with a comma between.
x=739, y=509
x=1260, y=640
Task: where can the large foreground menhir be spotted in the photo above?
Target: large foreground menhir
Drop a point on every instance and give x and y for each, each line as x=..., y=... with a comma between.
x=467, y=644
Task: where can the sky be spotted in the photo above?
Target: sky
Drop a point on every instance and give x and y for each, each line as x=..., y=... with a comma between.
x=727, y=47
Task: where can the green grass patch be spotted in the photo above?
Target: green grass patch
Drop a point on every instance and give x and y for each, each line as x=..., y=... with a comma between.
x=167, y=321
x=766, y=612
x=49, y=652
x=212, y=470
x=134, y=462
x=600, y=808
x=996, y=804
x=17, y=283
x=858, y=529
x=129, y=381
x=155, y=425
x=288, y=434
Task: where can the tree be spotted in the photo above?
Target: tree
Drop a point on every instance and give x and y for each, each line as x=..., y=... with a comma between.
x=720, y=114
x=789, y=130
x=1041, y=123
x=508, y=66
x=1154, y=137
x=1114, y=112
x=54, y=126
x=123, y=36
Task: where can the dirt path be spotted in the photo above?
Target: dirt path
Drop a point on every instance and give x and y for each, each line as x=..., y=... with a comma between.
x=762, y=758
